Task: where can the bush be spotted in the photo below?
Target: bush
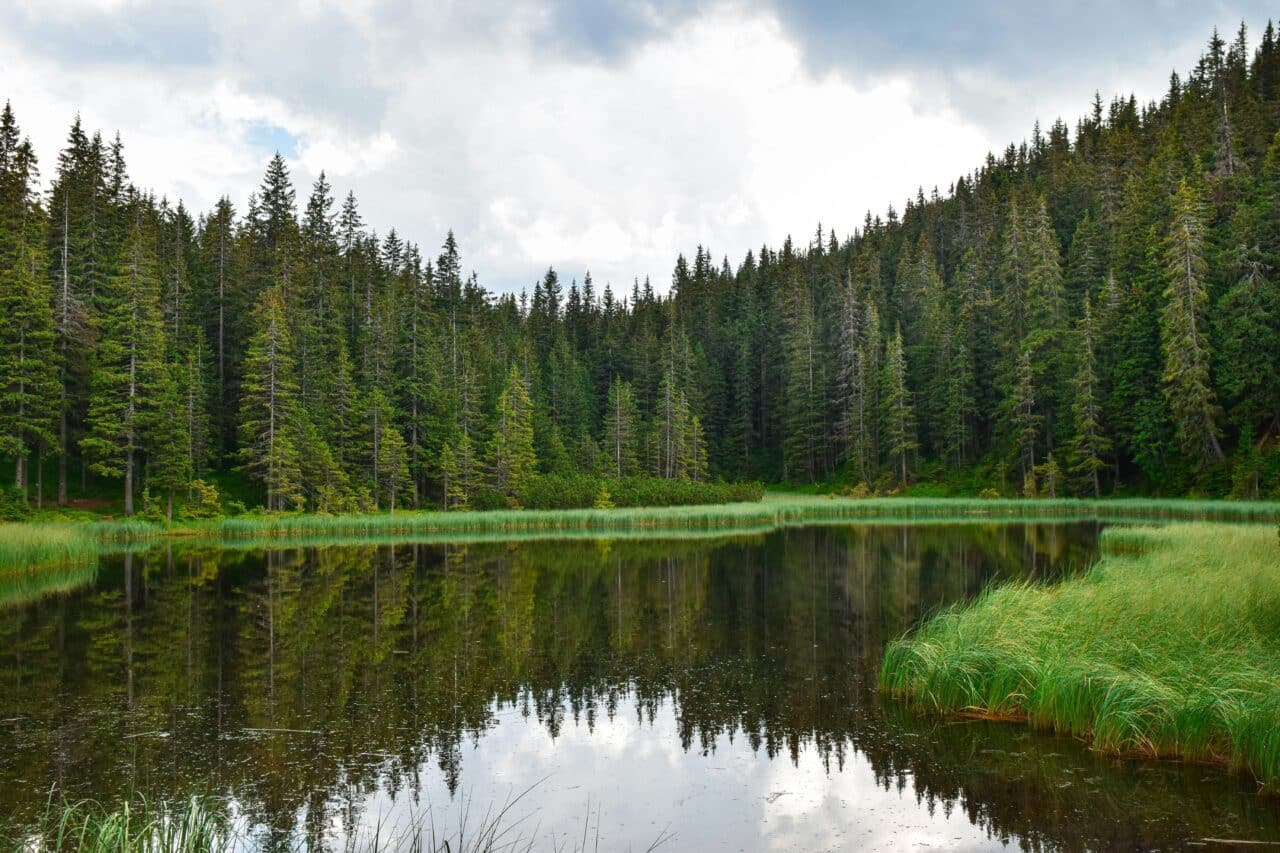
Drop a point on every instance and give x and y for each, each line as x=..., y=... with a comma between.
x=579, y=491
x=205, y=501
x=13, y=505
x=486, y=499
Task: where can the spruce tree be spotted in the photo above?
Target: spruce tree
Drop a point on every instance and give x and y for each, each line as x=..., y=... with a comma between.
x=269, y=418
x=28, y=366
x=1184, y=329
x=898, y=414
x=510, y=458
x=169, y=464
x=620, y=434
x=1089, y=445
x=130, y=370
x=1025, y=421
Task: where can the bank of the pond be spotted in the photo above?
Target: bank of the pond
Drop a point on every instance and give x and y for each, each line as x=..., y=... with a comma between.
x=26, y=545
x=1168, y=647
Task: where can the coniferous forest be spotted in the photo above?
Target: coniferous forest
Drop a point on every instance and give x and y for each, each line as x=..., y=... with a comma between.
x=1091, y=312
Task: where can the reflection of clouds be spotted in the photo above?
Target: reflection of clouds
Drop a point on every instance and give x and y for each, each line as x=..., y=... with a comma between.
x=636, y=780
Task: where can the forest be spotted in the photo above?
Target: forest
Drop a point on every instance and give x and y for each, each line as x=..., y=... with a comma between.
x=1091, y=312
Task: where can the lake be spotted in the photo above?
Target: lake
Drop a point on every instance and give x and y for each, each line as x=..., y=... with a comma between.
x=697, y=694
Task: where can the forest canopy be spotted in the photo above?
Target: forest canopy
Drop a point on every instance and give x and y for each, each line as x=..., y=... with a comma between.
x=1089, y=312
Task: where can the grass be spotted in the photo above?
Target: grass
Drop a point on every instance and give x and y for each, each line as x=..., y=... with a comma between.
x=1168, y=647
x=25, y=545
x=198, y=825
x=40, y=544
x=61, y=550
x=88, y=827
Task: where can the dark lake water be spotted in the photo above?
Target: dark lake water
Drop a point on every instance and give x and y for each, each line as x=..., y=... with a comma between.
x=718, y=694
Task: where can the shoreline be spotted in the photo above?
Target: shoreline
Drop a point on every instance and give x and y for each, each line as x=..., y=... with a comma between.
x=32, y=545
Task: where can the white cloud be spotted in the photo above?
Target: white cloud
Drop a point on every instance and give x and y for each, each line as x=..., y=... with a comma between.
x=716, y=131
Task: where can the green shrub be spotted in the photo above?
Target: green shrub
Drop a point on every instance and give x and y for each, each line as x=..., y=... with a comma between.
x=205, y=501
x=488, y=499
x=13, y=505
x=579, y=491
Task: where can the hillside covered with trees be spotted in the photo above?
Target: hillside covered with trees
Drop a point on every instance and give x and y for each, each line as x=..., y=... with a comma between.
x=1092, y=311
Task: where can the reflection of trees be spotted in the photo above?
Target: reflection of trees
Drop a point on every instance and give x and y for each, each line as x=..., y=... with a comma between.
x=298, y=681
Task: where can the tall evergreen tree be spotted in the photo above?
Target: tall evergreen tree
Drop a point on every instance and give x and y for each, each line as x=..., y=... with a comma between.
x=1184, y=330
x=620, y=434
x=511, y=460
x=28, y=366
x=130, y=372
x=269, y=416
x=898, y=414
x=1090, y=444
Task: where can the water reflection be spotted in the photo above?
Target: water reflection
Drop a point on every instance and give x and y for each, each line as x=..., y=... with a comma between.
x=721, y=689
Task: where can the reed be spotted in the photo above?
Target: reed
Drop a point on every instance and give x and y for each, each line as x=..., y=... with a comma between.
x=1168, y=647
x=34, y=544
x=201, y=825
x=776, y=510
x=27, y=546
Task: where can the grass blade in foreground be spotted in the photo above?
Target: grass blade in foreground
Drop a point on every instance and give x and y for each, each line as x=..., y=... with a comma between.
x=1169, y=646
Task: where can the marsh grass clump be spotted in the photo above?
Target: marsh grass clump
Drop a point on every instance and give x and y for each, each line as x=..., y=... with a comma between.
x=25, y=547
x=85, y=826
x=1168, y=647
x=200, y=825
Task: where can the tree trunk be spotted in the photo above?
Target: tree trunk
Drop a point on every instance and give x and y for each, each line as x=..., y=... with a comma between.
x=128, y=484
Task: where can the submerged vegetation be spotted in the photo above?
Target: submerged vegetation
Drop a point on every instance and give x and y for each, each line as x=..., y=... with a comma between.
x=1169, y=646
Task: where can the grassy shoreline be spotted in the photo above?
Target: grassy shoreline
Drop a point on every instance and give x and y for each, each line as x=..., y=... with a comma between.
x=32, y=545
x=1168, y=647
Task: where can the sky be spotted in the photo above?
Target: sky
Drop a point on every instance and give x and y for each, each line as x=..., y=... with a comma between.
x=589, y=135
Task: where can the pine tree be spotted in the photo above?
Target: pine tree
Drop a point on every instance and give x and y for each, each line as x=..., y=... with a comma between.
x=859, y=417
x=1247, y=336
x=620, y=435
x=511, y=459
x=1089, y=443
x=455, y=496
x=1184, y=331
x=694, y=464
x=193, y=387
x=269, y=418
x=670, y=428
x=898, y=414
x=169, y=463
x=1024, y=420
x=28, y=366
x=393, y=462
x=130, y=370
x=803, y=390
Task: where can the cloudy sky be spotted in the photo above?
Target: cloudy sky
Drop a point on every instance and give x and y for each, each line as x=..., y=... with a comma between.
x=586, y=134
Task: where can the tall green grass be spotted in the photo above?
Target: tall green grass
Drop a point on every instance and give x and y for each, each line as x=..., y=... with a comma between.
x=198, y=825
x=26, y=545
x=775, y=510
x=1169, y=646
x=35, y=544
x=88, y=827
